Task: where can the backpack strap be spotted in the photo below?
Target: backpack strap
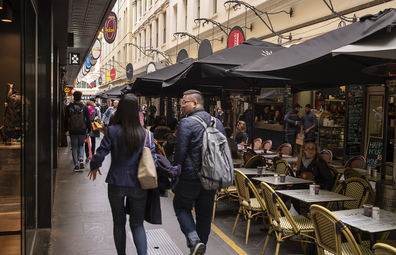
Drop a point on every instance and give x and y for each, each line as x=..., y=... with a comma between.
x=200, y=120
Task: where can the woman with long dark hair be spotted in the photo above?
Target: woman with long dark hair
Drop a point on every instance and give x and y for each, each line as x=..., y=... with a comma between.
x=125, y=139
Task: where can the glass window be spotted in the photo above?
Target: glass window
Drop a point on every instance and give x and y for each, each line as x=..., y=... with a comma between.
x=376, y=115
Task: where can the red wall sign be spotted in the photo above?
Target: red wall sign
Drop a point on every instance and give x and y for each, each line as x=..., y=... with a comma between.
x=110, y=28
x=236, y=37
x=91, y=85
x=112, y=74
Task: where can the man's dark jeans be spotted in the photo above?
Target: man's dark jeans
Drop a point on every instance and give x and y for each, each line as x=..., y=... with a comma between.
x=292, y=140
x=137, y=203
x=187, y=194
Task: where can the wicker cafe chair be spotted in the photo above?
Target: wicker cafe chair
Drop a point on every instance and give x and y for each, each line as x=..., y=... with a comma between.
x=280, y=166
x=247, y=155
x=267, y=144
x=248, y=207
x=328, y=230
x=230, y=192
x=356, y=162
x=257, y=144
x=287, y=226
x=350, y=172
x=389, y=168
x=255, y=161
x=336, y=177
x=354, y=187
x=383, y=249
x=285, y=148
x=327, y=155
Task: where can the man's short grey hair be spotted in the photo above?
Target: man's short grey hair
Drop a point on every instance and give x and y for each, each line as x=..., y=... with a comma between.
x=195, y=95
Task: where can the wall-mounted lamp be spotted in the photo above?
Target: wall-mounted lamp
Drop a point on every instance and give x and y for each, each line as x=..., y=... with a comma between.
x=237, y=6
x=7, y=12
x=1, y=4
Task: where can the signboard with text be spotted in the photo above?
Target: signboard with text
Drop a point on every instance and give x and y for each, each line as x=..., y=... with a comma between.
x=110, y=28
x=236, y=37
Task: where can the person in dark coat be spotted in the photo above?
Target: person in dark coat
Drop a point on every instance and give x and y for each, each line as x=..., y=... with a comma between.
x=311, y=161
x=189, y=191
x=220, y=115
x=248, y=118
x=125, y=140
x=292, y=119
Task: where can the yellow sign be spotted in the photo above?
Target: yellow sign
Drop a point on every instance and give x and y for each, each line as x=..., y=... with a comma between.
x=107, y=76
x=67, y=90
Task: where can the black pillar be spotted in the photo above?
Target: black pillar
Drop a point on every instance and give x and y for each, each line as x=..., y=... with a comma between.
x=169, y=111
x=55, y=114
x=44, y=118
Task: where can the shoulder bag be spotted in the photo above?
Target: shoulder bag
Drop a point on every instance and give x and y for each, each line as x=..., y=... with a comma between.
x=147, y=173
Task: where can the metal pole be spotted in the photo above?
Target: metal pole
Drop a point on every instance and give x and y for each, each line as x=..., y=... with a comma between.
x=385, y=136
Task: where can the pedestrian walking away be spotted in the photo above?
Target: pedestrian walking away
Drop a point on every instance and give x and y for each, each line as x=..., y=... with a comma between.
x=125, y=140
x=189, y=190
x=308, y=124
x=292, y=119
x=95, y=117
x=78, y=127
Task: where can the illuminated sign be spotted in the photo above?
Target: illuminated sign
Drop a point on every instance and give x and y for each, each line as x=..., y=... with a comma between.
x=74, y=58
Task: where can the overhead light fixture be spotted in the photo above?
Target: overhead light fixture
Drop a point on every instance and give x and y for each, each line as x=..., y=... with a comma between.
x=1, y=4
x=7, y=12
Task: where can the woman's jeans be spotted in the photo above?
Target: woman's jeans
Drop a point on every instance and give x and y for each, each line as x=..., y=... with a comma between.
x=93, y=146
x=137, y=203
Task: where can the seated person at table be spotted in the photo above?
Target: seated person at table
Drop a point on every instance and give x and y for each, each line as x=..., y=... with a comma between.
x=277, y=118
x=311, y=161
x=241, y=137
x=267, y=116
x=231, y=142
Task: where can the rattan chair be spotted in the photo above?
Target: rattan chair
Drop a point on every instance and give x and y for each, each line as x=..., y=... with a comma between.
x=247, y=155
x=280, y=166
x=286, y=149
x=248, y=207
x=267, y=144
x=356, y=188
x=230, y=192
x=383, y=249
x=255, y=161
x=327, y=155
x=350, y=172
x=356, y=162
x=158, y=149
x=336, y=177
x=257, y=144
x=285, y=227
x=389, y=168
x=328, y=231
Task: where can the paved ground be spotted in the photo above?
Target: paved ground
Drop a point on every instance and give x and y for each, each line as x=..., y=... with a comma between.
x=82, y=222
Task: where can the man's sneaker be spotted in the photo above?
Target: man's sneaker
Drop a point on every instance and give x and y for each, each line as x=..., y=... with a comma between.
x=81, y=164
x=76, y=168
x=198, y=249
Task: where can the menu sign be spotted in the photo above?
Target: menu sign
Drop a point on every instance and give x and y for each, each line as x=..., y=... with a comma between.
x=374, y=151
x=288, y=104
x=355, y=121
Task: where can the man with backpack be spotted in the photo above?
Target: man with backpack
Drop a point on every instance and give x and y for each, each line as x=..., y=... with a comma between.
x=77, y=123
x=190, y=190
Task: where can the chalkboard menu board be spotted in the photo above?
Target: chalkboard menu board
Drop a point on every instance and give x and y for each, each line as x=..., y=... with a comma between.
x=375, y=146
x=288, y=104
x=354, y=121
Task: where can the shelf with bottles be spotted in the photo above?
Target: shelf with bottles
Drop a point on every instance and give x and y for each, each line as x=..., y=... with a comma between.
x=332, y=138
x=331, y=105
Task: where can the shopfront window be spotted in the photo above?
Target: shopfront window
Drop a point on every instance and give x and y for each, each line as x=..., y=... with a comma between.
x=376, y=115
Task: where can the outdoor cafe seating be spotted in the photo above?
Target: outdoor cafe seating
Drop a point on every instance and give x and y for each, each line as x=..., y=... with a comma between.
x=285, y=148
x=267, y=144
x=383, y=249
x=356, y=162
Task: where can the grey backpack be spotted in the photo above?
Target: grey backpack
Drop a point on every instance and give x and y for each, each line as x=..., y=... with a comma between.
x=217, y=169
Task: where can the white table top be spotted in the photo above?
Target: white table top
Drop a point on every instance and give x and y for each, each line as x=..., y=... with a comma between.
x=323, y=196
x=288, y=158
x=253, y=171
x=237, y=162
x=356, y=218
x=289, y=180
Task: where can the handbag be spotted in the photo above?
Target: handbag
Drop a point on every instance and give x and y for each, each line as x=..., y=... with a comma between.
x=147, y=173
x=96, y=126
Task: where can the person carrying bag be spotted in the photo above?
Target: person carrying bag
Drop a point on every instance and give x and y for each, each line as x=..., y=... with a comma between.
x=124, y=140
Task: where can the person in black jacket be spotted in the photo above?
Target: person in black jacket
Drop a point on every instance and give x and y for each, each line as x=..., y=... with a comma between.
x=220, y=115
x=311, y=161
x=292, y=119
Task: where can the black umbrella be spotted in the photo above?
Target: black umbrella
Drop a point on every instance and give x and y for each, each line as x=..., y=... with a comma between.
x=151, y=83
x=313, y=61
x=115, y=93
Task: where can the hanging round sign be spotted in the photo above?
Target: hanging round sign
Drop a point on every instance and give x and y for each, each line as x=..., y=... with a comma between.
x=78, y=78
x=91, y=85
x=92, y=61
x=205, y=49
x=87, y=63
x=182, y=55
x=107, y=76
x=112, y=74
x=110, y=28
x=236, y=37
x=84, y=72
x=129, y=71
x=100, y=80
x=151, y=67
x=95, y=52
